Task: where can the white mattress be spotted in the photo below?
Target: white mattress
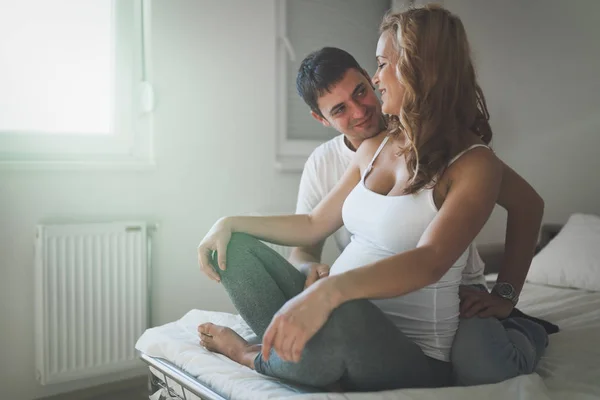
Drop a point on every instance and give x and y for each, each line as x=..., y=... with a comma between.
x=570, y=368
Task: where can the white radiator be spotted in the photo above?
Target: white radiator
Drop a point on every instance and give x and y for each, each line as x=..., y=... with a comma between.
x=91, y=298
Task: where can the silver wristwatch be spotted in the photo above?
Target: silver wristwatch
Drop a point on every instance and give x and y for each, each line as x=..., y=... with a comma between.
x=506, y=291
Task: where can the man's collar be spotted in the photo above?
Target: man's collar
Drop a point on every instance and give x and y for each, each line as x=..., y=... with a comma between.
x=348, y=144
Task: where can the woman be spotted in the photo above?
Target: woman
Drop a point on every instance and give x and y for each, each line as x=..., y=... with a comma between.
x=414, y=199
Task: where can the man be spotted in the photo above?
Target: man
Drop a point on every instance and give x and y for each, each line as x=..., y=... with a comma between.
x=340, y=95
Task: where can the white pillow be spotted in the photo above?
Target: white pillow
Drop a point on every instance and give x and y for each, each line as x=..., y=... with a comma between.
x=572, y=258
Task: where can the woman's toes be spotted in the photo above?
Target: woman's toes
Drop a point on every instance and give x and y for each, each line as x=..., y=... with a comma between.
x=206, y=329
x=206, y=340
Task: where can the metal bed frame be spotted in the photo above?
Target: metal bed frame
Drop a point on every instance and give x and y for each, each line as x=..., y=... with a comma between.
x=189, y=385
x=176, y=376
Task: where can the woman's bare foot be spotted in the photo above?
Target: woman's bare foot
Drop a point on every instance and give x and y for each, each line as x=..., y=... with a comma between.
x=224, y=340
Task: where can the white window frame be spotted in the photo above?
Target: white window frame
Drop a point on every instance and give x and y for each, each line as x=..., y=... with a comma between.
x=291, y=153
x=130, y=145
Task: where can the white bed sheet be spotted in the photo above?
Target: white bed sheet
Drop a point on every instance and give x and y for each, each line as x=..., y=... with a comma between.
x=570, y=369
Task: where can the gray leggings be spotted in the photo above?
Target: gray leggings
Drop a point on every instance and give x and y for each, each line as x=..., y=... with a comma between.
x=358, y=347
x=487, y=350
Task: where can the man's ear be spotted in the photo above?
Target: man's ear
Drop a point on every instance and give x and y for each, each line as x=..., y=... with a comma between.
x=320, y=119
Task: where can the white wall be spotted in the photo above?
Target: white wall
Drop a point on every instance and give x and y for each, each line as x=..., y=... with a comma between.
x=215, y=127
x=213, y=65
x=538, y=63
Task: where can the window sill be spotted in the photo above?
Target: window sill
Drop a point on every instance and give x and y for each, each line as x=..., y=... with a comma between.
x=79, y=165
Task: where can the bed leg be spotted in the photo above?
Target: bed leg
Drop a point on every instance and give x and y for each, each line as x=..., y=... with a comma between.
x=171, y=392
x=153, y=386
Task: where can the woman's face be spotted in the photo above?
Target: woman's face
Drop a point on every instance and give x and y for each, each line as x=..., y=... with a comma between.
x=385, y=77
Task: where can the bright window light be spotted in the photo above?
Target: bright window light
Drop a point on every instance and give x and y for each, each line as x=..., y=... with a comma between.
x=56, y=66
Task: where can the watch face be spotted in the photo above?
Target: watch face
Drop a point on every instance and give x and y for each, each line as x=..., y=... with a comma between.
x=505, y=290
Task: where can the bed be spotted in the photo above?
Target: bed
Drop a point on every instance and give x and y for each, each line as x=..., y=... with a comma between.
x=179, y=368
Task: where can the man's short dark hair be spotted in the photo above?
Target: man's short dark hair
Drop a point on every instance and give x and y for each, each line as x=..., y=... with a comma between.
x=319, y=71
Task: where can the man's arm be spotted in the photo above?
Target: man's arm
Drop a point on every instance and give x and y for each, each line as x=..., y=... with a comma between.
x=525, y=209
x=304, y=257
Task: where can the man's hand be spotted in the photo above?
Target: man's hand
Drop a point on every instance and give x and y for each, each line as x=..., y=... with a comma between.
x=316, y=272
x=483, y=304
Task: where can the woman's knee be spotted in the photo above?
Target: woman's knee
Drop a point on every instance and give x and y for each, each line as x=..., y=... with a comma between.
x=321, y=364
x=241, y=243
x=484, y=352
x=239, y=249
x=535, y=334
x=323, y=358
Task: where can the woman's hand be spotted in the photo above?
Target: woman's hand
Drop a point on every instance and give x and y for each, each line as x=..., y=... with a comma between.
x=317, y=271
x=483, y=304
x=297, y=322
x=216, y=239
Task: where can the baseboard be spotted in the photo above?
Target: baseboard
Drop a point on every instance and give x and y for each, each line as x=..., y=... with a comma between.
x=105, y=390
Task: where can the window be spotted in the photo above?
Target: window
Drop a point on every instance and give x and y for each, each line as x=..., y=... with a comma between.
x=305, y=26
x=74, y=83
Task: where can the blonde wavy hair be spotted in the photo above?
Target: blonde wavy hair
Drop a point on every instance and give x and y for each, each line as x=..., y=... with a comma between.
x=442, y=99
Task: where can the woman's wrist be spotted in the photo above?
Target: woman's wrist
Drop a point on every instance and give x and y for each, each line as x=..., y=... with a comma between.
x=227, y=223
x=333, y=286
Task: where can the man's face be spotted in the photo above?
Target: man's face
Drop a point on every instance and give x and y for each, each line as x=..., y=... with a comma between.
x=351, y=107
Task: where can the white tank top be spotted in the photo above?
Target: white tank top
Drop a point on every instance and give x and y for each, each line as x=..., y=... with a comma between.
x=382, y=226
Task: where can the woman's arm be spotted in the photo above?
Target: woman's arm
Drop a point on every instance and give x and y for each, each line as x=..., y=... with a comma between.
x=475, y=182
x=322, y=221
x=287, y=230
x=525, y=209
x=302, y=230
x=310, y=194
